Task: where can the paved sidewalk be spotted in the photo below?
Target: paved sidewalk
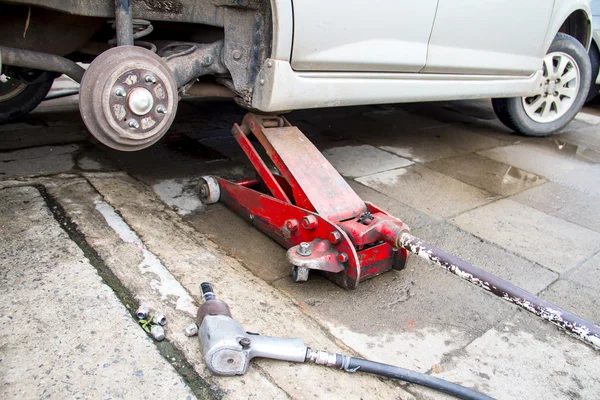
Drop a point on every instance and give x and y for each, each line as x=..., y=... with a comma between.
x=525, y=209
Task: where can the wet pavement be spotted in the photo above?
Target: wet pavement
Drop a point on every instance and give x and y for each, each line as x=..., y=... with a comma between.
x=525, y=209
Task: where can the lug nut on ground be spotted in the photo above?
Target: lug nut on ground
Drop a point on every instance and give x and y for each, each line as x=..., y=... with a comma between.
x=158, y=333
x=191, y=330
x=159, y=319
x=142, y=312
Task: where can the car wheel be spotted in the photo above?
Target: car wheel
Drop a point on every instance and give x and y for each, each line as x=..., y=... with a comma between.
x=564, y=88
x=595, y=62
x=18, y=98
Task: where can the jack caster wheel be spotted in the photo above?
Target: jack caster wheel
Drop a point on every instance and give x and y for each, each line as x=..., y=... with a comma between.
x=209, y=190
x=128, y=98
x=300, y=274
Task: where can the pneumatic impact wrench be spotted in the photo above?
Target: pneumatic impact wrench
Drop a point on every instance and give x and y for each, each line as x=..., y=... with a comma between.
x=227, y=349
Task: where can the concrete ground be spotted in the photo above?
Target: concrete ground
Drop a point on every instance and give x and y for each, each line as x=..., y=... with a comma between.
x=88, y=233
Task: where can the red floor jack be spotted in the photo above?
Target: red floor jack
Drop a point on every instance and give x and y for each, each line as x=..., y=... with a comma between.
x=308, y=208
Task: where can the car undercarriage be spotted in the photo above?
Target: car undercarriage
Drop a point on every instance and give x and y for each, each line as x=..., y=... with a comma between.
x=178, y=48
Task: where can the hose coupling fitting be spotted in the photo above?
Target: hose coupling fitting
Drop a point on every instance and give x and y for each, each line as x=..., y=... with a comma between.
x=321, y=357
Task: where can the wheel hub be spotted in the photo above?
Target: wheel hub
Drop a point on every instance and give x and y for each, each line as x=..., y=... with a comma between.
x=128, y=98
x=131, y=101
x=140, y=101
x=557, y=93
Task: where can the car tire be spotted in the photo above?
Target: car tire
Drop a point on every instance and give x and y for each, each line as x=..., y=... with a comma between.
x=595, y=63
x=561, y=95
x=19, y=99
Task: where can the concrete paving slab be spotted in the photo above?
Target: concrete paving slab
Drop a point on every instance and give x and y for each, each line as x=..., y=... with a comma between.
x=140, y=272
x=532, y=234
x=13, y=139
x=526, y=274
x=543, y=157
x=62, y=339
x=478, y=108
x=38, y=161
x=411, y=136
x=417, y=149
x=91, y=158
x=562, y=202
x=401, y=120
x=588, y=274
x=191, y=259
x=487, y=174
x=353, y=160
x=582, y=300
x=585, y=179
x=263, y=256
x=435, y=194
x=451, y=114
x=401, y=318
x=413, y=218
x=586, y=138
x=404, y=318
x=462, y=137
x=525, y=358
x=180, y=194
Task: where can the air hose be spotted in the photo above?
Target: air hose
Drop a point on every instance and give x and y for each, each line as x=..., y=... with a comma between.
x=351, y=364
x=228, y=349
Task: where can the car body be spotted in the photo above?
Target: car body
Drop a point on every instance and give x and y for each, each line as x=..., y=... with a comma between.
x=282, y=55
x=595, y=50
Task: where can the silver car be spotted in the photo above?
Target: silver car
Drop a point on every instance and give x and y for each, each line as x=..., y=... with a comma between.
x=594, y=52
x=280, y=55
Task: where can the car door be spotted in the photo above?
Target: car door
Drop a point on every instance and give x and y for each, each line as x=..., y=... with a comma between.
x=355, y=35
x=503, y=37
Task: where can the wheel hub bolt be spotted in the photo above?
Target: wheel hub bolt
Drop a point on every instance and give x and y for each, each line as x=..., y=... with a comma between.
x=304, y=249
x=150, y=79
x=120, y=92
x=161, y=110
x=134, y=124
x=342, y=257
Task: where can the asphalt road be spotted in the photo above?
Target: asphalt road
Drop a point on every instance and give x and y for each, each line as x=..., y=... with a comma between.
x=88, y=233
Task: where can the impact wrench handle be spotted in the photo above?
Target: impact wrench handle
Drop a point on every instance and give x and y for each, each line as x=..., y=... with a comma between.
x=228, y=348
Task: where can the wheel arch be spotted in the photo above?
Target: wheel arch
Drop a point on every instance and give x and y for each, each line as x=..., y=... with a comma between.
x=573, y=18
x=578, y=25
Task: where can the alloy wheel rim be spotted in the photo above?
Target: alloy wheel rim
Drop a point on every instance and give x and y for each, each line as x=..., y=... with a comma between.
x=558, y=90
